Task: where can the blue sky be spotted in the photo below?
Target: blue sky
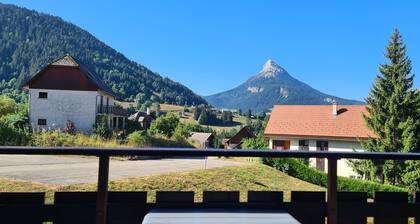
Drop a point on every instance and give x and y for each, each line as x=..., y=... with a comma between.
x=214, y=45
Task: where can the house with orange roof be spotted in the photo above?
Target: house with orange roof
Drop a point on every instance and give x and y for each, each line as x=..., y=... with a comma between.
x=319, y=128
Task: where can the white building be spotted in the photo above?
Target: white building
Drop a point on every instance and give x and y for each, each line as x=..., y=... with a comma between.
x=65, y=91
x=319, y=128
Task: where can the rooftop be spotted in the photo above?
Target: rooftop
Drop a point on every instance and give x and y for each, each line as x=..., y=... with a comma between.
x=319, y=121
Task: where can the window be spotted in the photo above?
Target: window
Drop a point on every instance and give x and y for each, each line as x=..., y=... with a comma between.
x=322, y=145
x=42, y=121
x=281, y=144
x=43, y=95
x=303, y=144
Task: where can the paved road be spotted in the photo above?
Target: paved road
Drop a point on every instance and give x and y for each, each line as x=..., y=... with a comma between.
x=74, y=170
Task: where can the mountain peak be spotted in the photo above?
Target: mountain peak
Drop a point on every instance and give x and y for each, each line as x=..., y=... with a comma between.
x=270, y=64
x=270, y=69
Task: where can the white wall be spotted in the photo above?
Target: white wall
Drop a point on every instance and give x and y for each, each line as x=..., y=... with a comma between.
x=343, y=169
x=62, y=105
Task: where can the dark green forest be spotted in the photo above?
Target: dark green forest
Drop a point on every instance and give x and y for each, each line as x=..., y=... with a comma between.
x=30, y=40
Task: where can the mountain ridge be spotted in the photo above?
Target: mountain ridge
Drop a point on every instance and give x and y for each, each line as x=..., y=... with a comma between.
x=29, y=40
x=273, y=85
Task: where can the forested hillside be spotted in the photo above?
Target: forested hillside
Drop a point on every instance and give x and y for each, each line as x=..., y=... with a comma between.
x=30, y=40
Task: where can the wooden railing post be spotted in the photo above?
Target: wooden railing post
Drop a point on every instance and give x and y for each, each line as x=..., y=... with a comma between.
x=102, y=194
x=332, y=191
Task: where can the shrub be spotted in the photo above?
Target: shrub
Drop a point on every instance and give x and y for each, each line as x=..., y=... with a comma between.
x=69, y=127
x=13, y=122
x=138, y=138
x=181, y=132
x=11, y=135
x=7, y=105
x=101, y=128
x=164, y=125
x=52, y=138
x=296, y=168
x=255, y=143
x=57, y=138
x=169, y=143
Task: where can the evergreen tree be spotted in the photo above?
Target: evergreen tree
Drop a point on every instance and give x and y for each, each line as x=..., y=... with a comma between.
x=197, y=112
x=393, y=108
x=249, y=114
x=157, y=109
x=203, y=119
x=227, y=117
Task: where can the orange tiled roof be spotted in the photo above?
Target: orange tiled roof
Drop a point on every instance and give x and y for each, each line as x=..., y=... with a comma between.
x=318, y=121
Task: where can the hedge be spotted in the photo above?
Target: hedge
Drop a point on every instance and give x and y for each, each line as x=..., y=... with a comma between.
x=296, y=168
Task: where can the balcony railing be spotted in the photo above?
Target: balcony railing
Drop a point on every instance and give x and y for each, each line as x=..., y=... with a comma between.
x=303, y=148
x=130, y=207
x=103, y=109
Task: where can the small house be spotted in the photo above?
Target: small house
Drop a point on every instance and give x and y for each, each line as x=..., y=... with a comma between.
x=204, y=140
x=143, y=118
x=319, y=128
x=235, y=141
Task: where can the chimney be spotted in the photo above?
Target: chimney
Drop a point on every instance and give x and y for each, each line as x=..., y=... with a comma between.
x=148, y=111
x=334, y=109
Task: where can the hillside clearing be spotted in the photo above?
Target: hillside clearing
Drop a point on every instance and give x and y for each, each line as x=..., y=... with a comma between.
x=243, y=178
x=239, y=122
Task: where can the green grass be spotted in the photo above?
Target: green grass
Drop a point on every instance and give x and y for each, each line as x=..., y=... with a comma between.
x=170, y=107
x=243, y=178
x=238, y=119
x=188, y=116
x=163, y=106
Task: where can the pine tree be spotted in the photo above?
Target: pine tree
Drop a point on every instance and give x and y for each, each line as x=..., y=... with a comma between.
x=249, y=114
x=203, y=119
x=157, y=106
x=393, y=108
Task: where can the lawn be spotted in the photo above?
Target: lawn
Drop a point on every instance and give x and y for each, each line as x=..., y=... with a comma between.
x=243, y=178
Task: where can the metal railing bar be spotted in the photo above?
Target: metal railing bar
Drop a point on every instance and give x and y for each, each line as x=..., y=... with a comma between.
x=95, y=151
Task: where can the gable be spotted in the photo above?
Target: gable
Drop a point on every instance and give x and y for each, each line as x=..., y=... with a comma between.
x=62, y=78
x=66, y=73
x=242, y=134
x=66, y=61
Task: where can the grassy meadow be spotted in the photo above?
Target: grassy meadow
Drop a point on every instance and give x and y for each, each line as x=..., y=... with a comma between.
x=252, y=176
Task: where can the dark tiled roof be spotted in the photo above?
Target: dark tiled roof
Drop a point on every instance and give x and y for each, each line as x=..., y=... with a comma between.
x=69, y=61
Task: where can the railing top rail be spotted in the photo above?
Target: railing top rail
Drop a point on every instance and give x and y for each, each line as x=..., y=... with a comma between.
x=97, y=151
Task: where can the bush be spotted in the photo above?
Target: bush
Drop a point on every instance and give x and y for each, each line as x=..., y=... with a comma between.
x=181, y=132
x=101, y=128
x=169, y=143
x=164, y=125
x=7, y=105
x=69, y=127
x=13, y=136
x=13, y=122
x=296, y=168
x=255, y=143
x=57, y=138
x=138, y=138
